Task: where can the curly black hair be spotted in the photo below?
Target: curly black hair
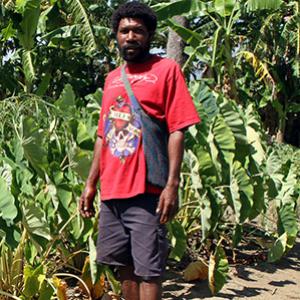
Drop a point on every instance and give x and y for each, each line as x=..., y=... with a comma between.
x=135, y=9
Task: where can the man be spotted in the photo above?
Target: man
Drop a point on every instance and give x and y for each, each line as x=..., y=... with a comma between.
x=132, y=234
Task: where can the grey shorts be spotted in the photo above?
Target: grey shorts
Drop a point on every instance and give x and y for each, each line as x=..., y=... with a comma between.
x=130, y=235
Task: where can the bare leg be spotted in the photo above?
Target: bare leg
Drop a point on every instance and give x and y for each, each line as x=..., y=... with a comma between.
x=150, y=290
x=130, y=283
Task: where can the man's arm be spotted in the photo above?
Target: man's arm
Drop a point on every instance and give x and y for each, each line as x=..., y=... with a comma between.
x=86, y=207
x=168, y=202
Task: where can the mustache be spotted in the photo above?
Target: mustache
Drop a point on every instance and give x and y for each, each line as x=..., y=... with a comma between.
x=134, y=45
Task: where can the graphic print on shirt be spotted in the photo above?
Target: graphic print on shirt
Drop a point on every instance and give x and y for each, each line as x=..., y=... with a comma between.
x=136, y=79
x=122, y=129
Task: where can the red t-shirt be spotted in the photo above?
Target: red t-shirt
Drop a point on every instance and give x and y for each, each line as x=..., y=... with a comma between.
x=160, y=88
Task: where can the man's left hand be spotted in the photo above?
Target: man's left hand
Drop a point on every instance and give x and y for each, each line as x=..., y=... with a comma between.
x=168, y=204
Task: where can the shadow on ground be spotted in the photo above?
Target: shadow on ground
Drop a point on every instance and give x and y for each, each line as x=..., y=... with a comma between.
x=262, y=280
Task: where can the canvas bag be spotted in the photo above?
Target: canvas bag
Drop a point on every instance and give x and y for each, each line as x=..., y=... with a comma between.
x=154, y=138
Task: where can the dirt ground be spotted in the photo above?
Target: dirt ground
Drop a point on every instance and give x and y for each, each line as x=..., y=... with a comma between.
x=258, y=281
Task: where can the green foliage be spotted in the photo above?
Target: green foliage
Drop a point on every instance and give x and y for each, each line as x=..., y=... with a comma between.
x=243, y=57
x=218, y=269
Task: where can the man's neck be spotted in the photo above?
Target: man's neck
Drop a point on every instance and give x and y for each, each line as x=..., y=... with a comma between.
x=140, y=61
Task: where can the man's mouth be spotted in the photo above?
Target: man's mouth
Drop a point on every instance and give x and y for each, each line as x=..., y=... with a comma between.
x=131, y=47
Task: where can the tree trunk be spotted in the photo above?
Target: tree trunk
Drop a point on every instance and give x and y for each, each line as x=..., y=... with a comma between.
x=175, y=44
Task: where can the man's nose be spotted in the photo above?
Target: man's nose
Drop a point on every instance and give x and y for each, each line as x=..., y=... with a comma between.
x=130, y=36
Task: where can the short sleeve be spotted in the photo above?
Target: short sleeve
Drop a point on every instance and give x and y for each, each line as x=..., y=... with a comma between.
x=100, y=125
x=180, y=110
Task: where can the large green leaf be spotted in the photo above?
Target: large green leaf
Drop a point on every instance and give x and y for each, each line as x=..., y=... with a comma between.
x=224, y=139
x=257, y=181
x=263, y=4
x=217, y=270
x=288, y=220
x=66, y=101
x=286, y=193
x=206, y=214
x=8, y=210
x=36, y=224
x=189, y=36
x=278, y=248
x=206, y=96
x=233, y=119
x=82, y=160
x=254, y=135
x=178, y=239
x=33, y=280
x=241, y=192
x=167, y=10
x=81, y=17
x=28, y=67
x=30, y=10
x=224, y=7
x=34, y=146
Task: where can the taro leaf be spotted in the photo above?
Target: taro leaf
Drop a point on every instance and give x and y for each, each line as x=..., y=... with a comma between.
x=36, y=225
x=214, y=198
x=46, y=291
x=33, y=279
x=30, y=10
x=66, y=101
x=217, y=270
x=82, y=161
x=93, y=263
x=233, y=119
x=224, y=139
x=288, y=220
x=241, y=192
x=34, y=148
x=278, y=248
x=178, y=239
x=18, y=262
x=258, y=189
x=273, y=163
x=64, y=196
x=286, y=193
x=208, y=168
x=254, y=134
x=114, y=283
x=8, y=210
x=206, y=212
x=85, y=138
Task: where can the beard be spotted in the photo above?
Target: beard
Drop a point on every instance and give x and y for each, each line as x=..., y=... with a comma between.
x=134, y=52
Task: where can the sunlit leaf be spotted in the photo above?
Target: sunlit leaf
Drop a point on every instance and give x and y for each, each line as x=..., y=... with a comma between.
x=178, y=239
x=218, y=270
x=8, y=210
x=196, y=271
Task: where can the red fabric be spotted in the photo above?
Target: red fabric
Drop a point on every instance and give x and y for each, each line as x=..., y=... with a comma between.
x=161, y=89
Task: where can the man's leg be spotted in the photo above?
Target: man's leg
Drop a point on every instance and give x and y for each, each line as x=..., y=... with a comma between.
x=129, y=284
x=151, y=290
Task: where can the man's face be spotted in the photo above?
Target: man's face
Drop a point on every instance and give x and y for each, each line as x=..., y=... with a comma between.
x=133, y=39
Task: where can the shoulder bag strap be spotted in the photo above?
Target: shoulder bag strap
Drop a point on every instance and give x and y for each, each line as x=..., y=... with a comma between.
x=137, y=107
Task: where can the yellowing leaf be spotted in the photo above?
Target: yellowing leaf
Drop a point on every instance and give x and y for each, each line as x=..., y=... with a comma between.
x=217, y=270
x=61, y=288
x=96, y=290
x=196, y=271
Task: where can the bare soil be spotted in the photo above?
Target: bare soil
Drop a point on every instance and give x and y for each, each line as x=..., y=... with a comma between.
x=258, y=280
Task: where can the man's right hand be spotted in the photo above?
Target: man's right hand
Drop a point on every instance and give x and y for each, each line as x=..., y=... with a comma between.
x=86, y=206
